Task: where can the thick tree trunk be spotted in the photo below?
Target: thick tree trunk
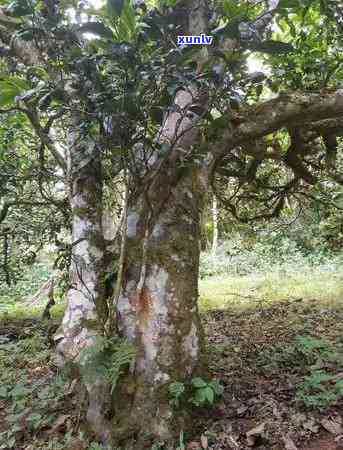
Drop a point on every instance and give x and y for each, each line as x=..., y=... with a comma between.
x=157, y=308
x=86, y=310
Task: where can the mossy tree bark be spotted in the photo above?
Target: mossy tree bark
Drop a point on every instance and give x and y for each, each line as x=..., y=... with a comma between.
x=86, y=310
x=157, y=308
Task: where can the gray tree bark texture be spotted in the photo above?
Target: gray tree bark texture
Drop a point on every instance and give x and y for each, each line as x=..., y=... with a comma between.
x=86, y=310
x=157, y=307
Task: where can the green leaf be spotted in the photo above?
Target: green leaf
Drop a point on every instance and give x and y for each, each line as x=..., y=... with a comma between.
x=199, y=397
x=129, y=17
x=170, y=2
x=35, y=419
x=97, y=28
x=115, y=7
x=10, y=89
x=156, y=113
x=3, y=391
x=19, y=8
x=220, y=122
x=230, y=29
x=176, y=389
x=217, y=387
x=209, y=394
x=271, y=47
x=199, y=382
x=288, y=4
x=173, y=88
x=26, y=35
x=19, y=391
x=231, y=8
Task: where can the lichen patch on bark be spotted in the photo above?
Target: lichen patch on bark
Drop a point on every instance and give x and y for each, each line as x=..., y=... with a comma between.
x=191, y=342
x=132, y=221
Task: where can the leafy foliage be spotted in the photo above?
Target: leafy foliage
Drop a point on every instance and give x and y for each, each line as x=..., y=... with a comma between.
x=268, y=250
x=30, y=280
x=199, y=392
x=107, y=358
x=316, y=360
x=31, y=406
x=319, y=390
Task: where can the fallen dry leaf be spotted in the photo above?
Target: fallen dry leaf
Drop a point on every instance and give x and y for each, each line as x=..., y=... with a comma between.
x=277, y=413
x=242, y=410
x=76, y=444
x=289, y=444
x=58, y=423
x=204, y=442
x=333, y=425
x=194, y=445
x=254, y=433
x=257, y=431
x=311, y=425
x=298, y=418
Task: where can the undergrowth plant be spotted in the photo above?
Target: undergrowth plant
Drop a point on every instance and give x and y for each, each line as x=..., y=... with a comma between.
x=239, y=256
x=30, y=280
x=31, y=404
x=107, y=358
x=316, y=361
x=320, y=390
x=198, y=392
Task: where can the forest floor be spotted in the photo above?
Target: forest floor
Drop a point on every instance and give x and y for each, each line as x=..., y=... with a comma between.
x=281, y=361
x=276, y=344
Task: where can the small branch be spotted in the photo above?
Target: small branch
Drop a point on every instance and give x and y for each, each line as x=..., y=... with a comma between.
x=114, y=301
x=46, y=139
x=266, y=17
x=46, y=313
x=5, y=264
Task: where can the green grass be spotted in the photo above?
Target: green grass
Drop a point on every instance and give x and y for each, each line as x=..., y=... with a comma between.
x=245, y=291
x=224, y=291
x=14, y=300
x=22, y=311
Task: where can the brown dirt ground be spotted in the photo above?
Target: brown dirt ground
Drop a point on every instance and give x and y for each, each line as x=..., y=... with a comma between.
x=254, y=398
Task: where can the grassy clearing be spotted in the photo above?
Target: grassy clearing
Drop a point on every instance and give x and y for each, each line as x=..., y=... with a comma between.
x=243, y=292
x=22, y=311
x=220, y=292
x=15, y=300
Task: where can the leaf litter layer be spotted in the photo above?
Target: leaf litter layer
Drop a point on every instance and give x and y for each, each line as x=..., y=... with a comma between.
x=279, y=360
x=282, y=365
